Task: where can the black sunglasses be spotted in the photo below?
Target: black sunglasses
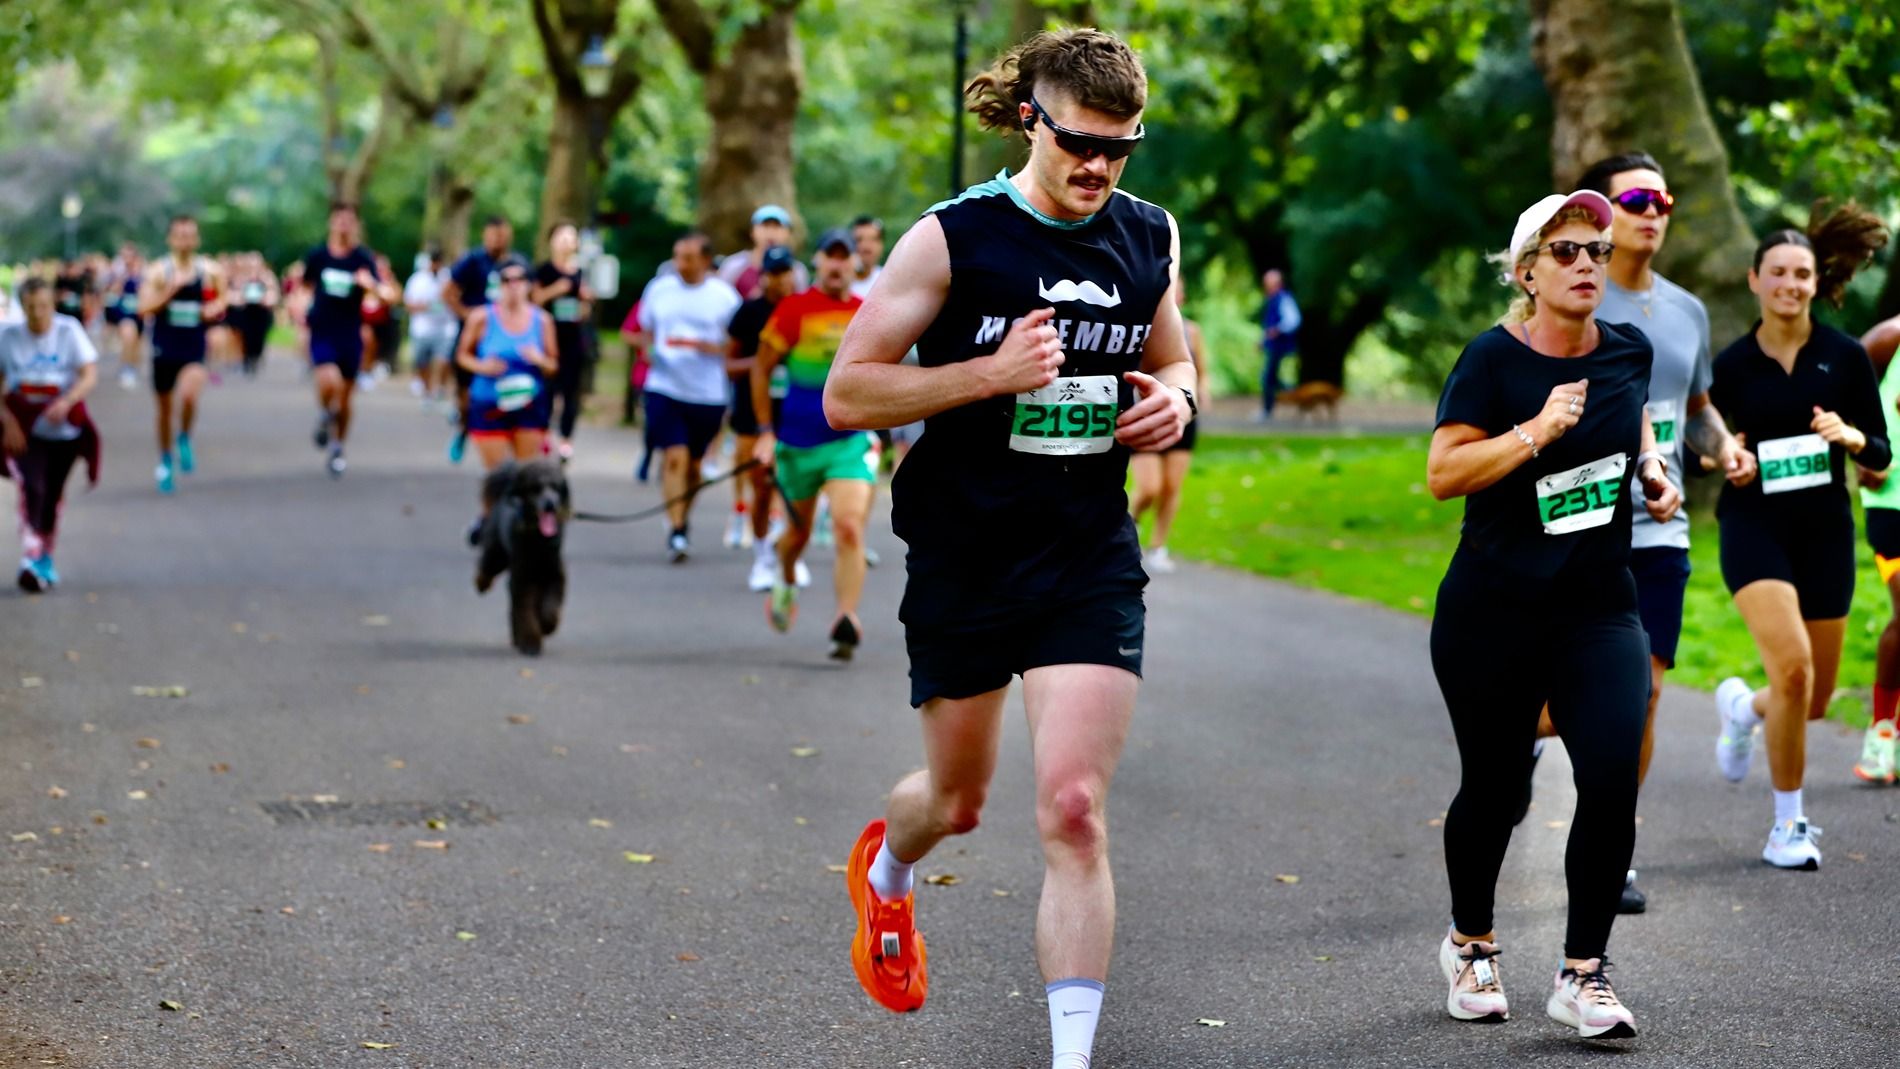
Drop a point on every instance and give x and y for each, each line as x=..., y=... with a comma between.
x=1081, y=145
x=1565, y=252
x=1638, y=201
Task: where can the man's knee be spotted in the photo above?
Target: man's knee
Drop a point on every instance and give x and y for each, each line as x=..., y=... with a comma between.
x=959, y=810
x=1072, y=815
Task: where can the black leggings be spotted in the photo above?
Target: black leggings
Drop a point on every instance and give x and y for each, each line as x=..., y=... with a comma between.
x=567, y=390
x=1499, y=658
x=41, y=473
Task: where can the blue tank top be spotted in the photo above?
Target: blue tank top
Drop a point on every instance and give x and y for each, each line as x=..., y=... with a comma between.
x=178, y=329
x=522, y=381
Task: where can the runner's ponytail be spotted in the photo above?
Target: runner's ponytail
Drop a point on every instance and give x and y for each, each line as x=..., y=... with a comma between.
x=1095, y=69
x=1842, y=242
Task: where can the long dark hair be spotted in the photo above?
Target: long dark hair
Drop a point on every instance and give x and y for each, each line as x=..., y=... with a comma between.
x=1842, y=242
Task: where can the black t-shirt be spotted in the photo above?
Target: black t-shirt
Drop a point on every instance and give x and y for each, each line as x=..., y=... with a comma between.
x=476, y=279
x=1016, y=503
x=748, y=323
x=1565, y=512
x=1775, y=409
x=337, y=307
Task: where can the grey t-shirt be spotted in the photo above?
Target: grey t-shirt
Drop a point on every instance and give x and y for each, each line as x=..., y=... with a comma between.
x=1678, y=328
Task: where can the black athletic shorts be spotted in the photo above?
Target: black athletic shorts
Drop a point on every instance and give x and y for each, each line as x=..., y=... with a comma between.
x=1186, y=444
x=1662, y=575
x=165, y=372
x=1104, y=628
x=1883, y=533
x=740, y=417
x=1815, y=552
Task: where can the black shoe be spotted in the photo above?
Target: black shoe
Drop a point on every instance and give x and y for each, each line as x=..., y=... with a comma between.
x=1634, y=901
x=844, y=639
x=475, y=533
x=1530, y=776
x=322, y=435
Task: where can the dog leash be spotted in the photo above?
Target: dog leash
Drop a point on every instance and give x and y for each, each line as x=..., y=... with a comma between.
x=649, y=513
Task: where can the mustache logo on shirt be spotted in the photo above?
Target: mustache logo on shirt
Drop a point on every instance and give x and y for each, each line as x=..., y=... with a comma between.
x=1085, y=291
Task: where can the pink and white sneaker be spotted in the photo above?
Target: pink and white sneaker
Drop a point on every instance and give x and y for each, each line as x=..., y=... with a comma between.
x=1477, y=989
x=1582, y=999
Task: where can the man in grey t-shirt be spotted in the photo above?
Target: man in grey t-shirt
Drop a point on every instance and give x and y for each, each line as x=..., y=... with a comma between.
x=1678, y=327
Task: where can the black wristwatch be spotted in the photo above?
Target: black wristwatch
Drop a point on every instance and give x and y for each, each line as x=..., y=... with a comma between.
x=1194, y=410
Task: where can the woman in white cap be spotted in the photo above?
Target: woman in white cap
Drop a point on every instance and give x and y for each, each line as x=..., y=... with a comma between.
x=1540, y=428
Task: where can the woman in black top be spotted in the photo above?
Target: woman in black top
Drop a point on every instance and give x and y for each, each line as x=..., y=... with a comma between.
x=1804, y=397
x=560, y=290
x=1540, y=428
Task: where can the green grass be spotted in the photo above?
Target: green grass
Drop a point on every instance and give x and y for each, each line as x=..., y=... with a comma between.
x=1352, y=515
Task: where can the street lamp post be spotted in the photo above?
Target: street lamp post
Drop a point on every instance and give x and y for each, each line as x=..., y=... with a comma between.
x=69, y=207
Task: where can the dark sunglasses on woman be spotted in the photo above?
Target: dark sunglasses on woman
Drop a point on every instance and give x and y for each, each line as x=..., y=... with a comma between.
x=1565, y=252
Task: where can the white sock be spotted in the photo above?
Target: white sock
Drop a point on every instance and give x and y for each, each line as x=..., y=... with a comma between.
x=1787, y=805
x=1074, y=1008
x=762, y=549
x=890, y=878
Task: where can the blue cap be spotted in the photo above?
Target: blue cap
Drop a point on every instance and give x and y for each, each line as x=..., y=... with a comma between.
x=777, y=258
x=836, y=237
x=772, y=213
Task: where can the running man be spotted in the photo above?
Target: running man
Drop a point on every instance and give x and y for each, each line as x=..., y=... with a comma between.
x=339, y=274
x=1677, y=326
x=809, y=456
x=1880, y=497
x=47, y=367
x=748, y=323
x=1804, y=397
x=683, y=319
x=1052, y=349
x=473, y=282
x=256, y=291
x=183, y=294
x=432, y=330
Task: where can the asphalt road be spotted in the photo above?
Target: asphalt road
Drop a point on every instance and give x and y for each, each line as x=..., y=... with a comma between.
x=333, y=648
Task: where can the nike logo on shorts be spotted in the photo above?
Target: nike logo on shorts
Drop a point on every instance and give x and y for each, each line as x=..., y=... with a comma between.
x=1072, y=1013
x=1128, y=653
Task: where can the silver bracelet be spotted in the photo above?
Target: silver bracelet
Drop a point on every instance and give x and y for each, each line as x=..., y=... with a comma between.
x=1519, y=431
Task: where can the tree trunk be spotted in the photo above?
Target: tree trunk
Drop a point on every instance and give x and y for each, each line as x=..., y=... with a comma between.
x=1621, y=79
x=451, y=202
x=752, y=99
x=576, y=157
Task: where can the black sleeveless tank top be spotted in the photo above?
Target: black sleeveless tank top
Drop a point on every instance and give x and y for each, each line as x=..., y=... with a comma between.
x=1020, y=498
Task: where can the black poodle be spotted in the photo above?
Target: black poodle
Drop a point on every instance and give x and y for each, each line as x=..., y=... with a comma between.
x=527, y=510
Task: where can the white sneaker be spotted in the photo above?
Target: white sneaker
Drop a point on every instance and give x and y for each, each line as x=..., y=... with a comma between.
x=677, y=548
x=1159, y=562
x=764, y=573
x=1582, y=998
x=735, y=531
x=1477, y=989
x=801, y=575
x=415, y=388
x=1791, y=845
x=1735, y=744
x=128, y=379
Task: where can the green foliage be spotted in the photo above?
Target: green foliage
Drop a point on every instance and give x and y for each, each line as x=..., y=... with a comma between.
x=1838, y=128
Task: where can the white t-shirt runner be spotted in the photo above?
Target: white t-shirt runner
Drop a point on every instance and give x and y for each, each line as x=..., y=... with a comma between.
x=1678, y=328
x=44, y=366
x=678, y=315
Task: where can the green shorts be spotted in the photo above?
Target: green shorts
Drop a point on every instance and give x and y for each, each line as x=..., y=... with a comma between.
x=804, y=470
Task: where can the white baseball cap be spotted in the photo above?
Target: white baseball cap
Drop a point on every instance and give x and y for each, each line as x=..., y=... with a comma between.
x=1539, y=215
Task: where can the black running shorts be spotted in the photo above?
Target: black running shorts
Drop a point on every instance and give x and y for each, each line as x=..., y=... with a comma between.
x=1105, y=628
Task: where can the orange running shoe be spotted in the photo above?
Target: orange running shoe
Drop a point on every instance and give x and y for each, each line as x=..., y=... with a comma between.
x=887, y=952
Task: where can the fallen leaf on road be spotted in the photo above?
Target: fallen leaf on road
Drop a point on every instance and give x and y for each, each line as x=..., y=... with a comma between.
x=1211, y=1022
x=25, y=837
x=397, y=763
x=1000, y=893
x=839, y=869
x=466, y=937
x=62, y=919
x=1857, y=857
x=527, y=673
x=800, y=821
x=635, y=747
x=687, y=956
x=558, y=751
x=173, y=691
x=220, y=768
x=804, y=751
x=432, y=844
x=943, y=879
x=379, y=848
x=240, y=627
x=148, y=744
x=168, y=1004
x=1435, y=822
x=599, y=823
x=72, y=656
x=369, y=1045
x=1285, y=878
x=55, y=791
x=436, y=823
x=376, y=620
x=638, y=859
x=32, y=682
x=520, y=718
x=99, y=818
x=749, y=680
x=288, y=911
x=1322, y=957
x=362, y=690
x=137, y=796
